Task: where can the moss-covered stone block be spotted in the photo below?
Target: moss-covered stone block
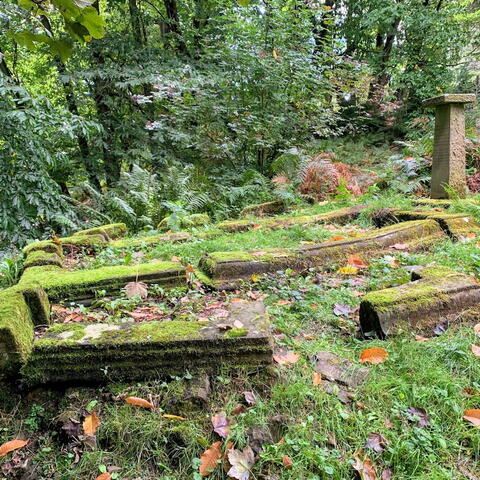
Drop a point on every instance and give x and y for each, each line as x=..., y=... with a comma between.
x=40, y=257
x=188, y=221
x=89, y=242
x=274, y=207
x=38, y=303
x=456, y=225
x=151, y=240
x=339, y=216
x=105, y=352
x=420, y=305
x=83, y=284
x=110, y=232
x=16, y=331
x=42, y=246
x=224, y=267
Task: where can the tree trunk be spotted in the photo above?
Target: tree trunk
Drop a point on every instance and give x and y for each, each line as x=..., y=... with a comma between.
x=173, y=24
x=138, y=30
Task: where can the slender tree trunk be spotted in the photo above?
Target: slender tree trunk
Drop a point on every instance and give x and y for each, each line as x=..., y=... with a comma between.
x=138, y=30
x=173, y=24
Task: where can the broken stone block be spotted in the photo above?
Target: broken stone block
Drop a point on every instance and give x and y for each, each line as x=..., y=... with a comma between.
x=264, y=209
x=44, y=246
x=106, y=352
x=419, y=305
x=38, y=258
x=110, y=232
x=225, y=267
x=38, y=303
x=61, y=285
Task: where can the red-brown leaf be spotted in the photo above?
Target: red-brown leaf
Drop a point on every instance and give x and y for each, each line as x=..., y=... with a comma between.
x=209, y=459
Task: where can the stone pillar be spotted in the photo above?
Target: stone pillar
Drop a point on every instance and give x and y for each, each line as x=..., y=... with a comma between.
x=448, y=167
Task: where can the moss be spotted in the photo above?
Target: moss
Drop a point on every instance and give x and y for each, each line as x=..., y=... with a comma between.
x=111, y=231
x=91, y=241
x=236, y=332
x=435, y=272
x=38, y=303
x=261, y=209
x=44, y=246
x=188, y=221
x=65, y=285
x=151, y=240
x=40, y=257
x=16, y=331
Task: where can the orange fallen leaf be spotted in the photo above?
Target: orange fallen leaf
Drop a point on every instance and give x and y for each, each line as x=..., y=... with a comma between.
x=287, y=462
x=374, y=355
x=12, y=445
x=174, y=417
x=336, y=238
x=356, y=260
x=419, y=338
x=473, y=416
x=317, y=378
x=209, y=459
x=286, y=359
x=139, y=402
x=91, y=423
x=365, y=469
x=475, y=350
x=284, y=302
x=104, y=476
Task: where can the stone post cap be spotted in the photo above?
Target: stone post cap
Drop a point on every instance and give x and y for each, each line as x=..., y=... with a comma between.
x=449, y=98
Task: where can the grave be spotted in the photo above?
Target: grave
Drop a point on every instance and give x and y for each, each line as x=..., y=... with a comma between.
x=448, y=167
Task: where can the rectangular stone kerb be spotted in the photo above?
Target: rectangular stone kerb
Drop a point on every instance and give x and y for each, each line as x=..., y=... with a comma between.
x=448, y=167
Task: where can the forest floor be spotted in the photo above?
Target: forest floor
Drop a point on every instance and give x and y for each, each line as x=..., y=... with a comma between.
x=404, y=422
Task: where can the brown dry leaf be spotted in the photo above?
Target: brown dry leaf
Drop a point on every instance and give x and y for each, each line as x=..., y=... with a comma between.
x=475, y=350
x=356, y=260
x=419, y=338
x=376, y=441
x=136, y=289
x=316, y=378
x=91, y=423
x=257, y=226
x=400, y=246
x=283, y=302
x=286, y=359
x=365, y=469
x=239, y=408
x=12, y=445
x=174, y=417
x=175, y=259
x=104, y=476
x=374, y=355
x=336, y=238
x=476, y=328
x=139, y=402
x=473, y=416
x=287, y=462
x=209, y=459
x=250, y=398
x=221, y=424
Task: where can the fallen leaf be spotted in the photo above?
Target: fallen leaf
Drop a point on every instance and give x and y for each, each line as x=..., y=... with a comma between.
x=241, y=462
x=348, y=271
x=91, y=423
x=336, y=238
x=139, y=402
x=175, y=259
x=400, y=246
x=12, y=445
x=440, y=328
x=387, y=474
x=420, y=414
x=356, y=260
x=316, y=378
x=341, y=309
x=136, y=289
x=475, y=350
x=283, y=302
x=239, y=408
x=376, y=441
x=254, y=277
x=174, y=417
x=476, y=328
x=250, y=398
x=470, y=392
x=286, y=359
x=365, y=469
x=209, y=459
x=287, y=462
x=374, y=355
x=473, y=416
x=221, y=424
x=258, y=253
x=419, y=338
x=104, y=476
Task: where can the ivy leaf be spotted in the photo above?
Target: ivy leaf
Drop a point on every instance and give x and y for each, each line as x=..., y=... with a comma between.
x=241, y=462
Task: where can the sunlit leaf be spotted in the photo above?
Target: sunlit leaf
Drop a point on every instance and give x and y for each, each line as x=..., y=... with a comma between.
x=91, y=423
x=373, y=355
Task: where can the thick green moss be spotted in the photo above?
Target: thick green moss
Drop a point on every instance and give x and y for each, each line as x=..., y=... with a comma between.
x=43, y=245
x=89, y=241
x=151, y=240
x=40, y=257
x=16, y=331
x=111, y=231
x=65, y=285
x=37, y=301
x=236, y=332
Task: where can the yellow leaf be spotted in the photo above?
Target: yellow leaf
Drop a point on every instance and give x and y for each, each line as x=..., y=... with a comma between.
x=374, y=355
x=348, y=270
x=173, y=417
x=90, y=424
x=255, y=277
x=12, y=445
x=139, y=402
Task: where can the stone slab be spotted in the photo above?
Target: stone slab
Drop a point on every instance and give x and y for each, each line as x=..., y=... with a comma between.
x=449, y=98
x=127, y=351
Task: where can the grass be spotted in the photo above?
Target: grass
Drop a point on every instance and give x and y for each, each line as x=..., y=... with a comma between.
x=321, y=434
